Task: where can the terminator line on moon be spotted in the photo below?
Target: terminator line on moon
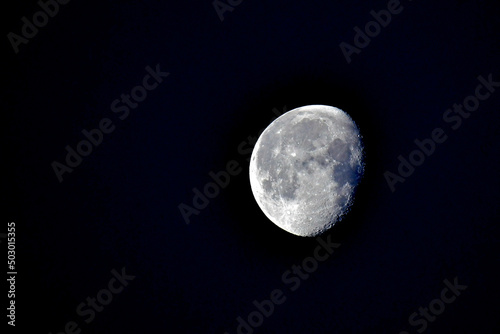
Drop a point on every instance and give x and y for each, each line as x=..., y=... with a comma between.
x=305, y=168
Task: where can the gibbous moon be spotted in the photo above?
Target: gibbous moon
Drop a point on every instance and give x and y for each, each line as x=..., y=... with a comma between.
x=305, y=168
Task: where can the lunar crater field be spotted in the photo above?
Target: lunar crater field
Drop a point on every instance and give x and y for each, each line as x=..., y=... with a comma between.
x=305, y=168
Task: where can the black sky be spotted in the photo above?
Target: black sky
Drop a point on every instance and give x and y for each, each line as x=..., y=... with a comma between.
x=119, y=208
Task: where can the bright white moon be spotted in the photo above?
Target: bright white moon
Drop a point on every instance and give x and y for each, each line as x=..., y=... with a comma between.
x=305, y=168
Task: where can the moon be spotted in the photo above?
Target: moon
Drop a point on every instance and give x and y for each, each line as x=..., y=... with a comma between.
x=305, y=168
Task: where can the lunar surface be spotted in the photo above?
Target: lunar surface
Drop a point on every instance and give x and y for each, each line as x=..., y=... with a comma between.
x=305, y=168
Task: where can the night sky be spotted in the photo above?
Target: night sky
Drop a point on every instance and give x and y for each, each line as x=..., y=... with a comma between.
x=119, y=114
